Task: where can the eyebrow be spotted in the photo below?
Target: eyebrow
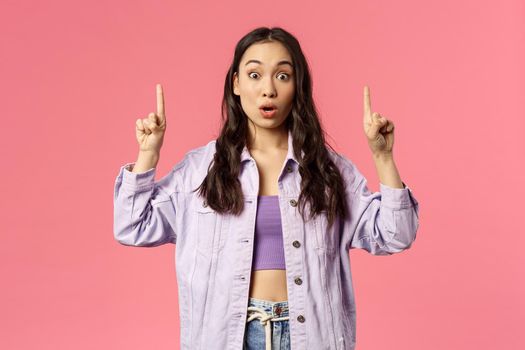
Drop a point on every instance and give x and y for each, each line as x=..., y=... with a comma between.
x=280, y=63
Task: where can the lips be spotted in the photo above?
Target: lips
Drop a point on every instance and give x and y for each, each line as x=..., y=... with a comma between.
x=268, y=107
x=268, y=113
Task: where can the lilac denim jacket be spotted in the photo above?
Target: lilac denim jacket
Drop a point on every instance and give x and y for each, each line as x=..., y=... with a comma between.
x=214, y=252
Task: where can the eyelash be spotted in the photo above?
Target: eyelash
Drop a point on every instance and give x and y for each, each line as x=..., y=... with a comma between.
x=288, y=75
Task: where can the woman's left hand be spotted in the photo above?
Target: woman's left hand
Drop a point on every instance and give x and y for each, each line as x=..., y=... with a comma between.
x=379, y=130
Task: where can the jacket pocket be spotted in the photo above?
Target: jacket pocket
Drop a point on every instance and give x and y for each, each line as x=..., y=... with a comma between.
x=206, y=228
x=326, y=241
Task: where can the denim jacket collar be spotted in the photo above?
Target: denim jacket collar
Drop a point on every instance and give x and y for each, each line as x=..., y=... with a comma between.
x=245, y=155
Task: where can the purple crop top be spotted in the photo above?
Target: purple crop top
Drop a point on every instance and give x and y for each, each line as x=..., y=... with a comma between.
x=268, y=247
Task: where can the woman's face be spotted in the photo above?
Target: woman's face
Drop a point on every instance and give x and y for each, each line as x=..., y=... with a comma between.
x=265, y=76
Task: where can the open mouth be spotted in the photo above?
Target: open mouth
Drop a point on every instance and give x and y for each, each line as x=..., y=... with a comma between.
x=268, y=112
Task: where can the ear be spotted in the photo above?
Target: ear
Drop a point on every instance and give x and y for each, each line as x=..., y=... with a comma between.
x=236, y=84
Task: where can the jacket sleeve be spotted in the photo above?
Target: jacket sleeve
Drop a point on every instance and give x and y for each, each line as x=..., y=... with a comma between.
x=145, y=210
x=382, y=223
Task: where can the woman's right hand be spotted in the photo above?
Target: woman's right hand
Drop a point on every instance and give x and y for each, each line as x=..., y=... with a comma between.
x=150, y=130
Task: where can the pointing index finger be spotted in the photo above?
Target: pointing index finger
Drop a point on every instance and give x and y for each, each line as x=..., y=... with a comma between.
x=160, y=101
x=367, y=106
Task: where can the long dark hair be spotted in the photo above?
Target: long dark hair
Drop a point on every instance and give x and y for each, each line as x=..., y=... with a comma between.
x=321, y=182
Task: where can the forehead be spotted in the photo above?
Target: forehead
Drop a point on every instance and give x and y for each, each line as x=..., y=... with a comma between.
x=268, y=53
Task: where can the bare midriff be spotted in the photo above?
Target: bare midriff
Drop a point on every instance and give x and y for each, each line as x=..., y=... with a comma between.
x=269, y=285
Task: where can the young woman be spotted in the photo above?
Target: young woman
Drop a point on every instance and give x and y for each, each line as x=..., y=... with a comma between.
x=264, y=216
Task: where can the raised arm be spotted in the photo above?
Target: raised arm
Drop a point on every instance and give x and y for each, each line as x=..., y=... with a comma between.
x=383, y=222
x=145, y=210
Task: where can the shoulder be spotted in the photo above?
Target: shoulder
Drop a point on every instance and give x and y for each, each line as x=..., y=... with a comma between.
x=200, y=155
x=192, y=169
x=340, y=160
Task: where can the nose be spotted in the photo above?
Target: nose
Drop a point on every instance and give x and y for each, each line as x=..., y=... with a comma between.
x=269, y=88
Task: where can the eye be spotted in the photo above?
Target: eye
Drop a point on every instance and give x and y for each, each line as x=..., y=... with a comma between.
x=286, y=74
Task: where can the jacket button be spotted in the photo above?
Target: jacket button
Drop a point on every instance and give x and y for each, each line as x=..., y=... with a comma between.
x=300, y=318
x=293, y=202
x=296, y=244
x=298, y=281
x=204, y=204
x=289, y=169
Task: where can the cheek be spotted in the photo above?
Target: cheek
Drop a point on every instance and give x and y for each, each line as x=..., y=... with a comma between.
x=250, y=98
x=246, y=94
x=290, y=92
x=290, y=96
x=249, y=107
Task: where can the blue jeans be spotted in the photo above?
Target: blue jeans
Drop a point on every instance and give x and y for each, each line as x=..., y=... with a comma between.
x=267, y=325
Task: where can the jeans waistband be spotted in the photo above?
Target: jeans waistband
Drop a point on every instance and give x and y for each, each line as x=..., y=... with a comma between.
x=276, y=309
x=267, y=312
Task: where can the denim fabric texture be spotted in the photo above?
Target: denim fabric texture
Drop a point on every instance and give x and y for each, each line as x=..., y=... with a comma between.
x=267, y=320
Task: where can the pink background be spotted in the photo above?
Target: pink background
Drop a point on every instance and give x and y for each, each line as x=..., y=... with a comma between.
x=75, y=75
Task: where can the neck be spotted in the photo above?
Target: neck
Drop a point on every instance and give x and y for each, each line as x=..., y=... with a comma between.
x=263, y=139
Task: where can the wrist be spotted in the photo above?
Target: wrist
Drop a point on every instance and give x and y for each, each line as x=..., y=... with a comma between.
x=383, y=157
x=149, y=155
x=146, y=161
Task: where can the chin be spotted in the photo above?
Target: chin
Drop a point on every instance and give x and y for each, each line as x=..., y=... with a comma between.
x=268, y=123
